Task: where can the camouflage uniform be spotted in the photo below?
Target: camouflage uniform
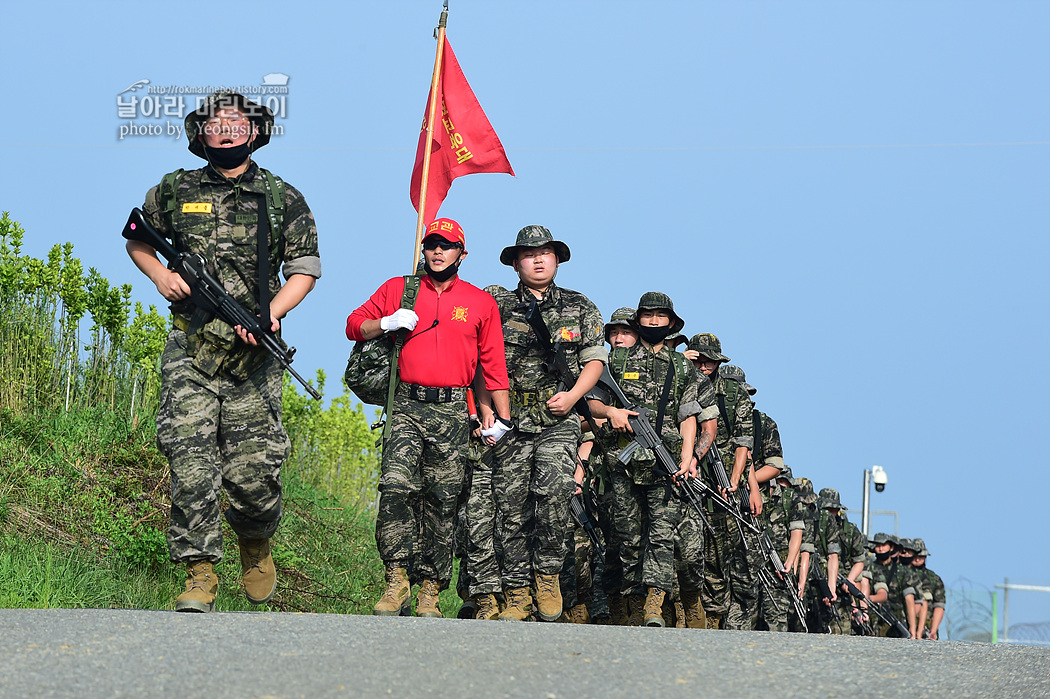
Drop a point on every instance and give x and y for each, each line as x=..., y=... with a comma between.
x=729, y=590
x=828, y=541
x=776, y=517
x=854, y=551
x=535, y=462
x=219, y=418
x=898, y=581
x=646, y=515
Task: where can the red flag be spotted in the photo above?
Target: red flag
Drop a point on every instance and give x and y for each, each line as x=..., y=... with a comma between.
x=463, y=141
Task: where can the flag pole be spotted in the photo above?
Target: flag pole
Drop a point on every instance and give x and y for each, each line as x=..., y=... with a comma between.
x=420, y=222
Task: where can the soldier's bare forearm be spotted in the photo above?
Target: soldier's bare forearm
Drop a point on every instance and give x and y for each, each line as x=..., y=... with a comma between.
x=708, y=433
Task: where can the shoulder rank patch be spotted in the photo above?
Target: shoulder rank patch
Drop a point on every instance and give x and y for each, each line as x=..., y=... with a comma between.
x=628, y=375
x=196, y=208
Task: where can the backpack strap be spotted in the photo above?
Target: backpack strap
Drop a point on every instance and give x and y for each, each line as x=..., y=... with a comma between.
x=408, y=300
x=759, y=452
x=168, y=194
x=665, y=395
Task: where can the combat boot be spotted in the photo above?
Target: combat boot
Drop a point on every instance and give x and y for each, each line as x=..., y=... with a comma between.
x=396, y=599
x=519, y=605
x=578, y=614
x=712, y=621
x=258, y=574
x=201, y=588
x=694, y=611
x=469, y=608
x=654, y=601
x=636, y=610
x=427, y=599
x=678, y=612
x=548, y=597
x=485, y=607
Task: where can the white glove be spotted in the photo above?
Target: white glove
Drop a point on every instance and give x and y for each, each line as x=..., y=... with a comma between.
x=401, y=318
x=499, y=428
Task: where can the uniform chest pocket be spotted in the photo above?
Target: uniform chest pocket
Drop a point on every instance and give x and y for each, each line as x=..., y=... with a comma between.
x=242, y=228
x=195, y=228
x=517, y=333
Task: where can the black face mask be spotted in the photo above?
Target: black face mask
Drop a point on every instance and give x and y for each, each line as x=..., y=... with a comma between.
x=654, y=335
x=228, y=158
x=883, y=557
x=444, y=275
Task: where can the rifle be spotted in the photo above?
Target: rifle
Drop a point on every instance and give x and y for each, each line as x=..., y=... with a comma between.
x=583, y=506
x=645, y=437
x=881, y=612
x=824, y=613
x=773, y=573
x=210, y=297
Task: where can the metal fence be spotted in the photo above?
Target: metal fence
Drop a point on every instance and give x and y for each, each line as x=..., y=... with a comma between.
x=980, y=614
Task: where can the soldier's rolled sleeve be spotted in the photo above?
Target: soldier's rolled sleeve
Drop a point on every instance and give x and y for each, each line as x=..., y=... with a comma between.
x=834, y=547
x=860, y=558
x=748, y=442
x=908, y=591
x=776, y=462
x=881, y=586
x=938, y=604
x=301, y=255
x=688, y=410
x=708, y=413
x=590, y=354
x=808, y=548
x=599, y=393
x=796, y=524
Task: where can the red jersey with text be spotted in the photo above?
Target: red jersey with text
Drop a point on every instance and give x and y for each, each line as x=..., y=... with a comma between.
x=455, y=330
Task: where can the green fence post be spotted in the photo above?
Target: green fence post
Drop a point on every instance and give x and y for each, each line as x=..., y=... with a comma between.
x=995, y=617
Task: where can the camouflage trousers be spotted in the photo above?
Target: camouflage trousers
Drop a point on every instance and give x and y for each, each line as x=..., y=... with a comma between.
x=532, y=481
x=689, y=551
x=727, y=573
x=646, y=519
x=480, y=517
x=419, y=486
x=577, y=574
x=219, y=433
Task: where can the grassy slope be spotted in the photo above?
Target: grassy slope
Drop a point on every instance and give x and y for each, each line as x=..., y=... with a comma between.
x=83, y=510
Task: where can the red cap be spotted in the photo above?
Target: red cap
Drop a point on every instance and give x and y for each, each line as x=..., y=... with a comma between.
x=447, y=229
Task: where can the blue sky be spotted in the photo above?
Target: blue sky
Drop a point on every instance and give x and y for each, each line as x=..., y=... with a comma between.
x=852, y=196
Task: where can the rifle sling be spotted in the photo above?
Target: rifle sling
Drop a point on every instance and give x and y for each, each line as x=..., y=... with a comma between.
x=665, y=394
x=263, y=241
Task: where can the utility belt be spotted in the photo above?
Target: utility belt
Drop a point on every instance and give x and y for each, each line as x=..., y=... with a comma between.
x=431, y=394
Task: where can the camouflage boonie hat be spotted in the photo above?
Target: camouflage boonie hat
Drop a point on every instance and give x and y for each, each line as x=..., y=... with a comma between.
x=620, y=317
x=678, y=339
x=732, y=371
x=652, y=300
x=708, y=346
x=805, y=491
x=909, y=545
x=786, y=473
x=260, y=116
x=829, y=497
x=534, y=237
x=882, y=538
x=921, y=547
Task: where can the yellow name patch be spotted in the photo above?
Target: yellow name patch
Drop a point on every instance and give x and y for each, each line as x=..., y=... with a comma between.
x=630, y=375
x=196, y=208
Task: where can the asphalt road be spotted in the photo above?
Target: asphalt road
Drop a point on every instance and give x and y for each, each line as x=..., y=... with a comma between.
x=133, y=653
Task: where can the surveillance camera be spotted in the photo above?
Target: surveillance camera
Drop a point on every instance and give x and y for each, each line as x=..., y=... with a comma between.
x=878, y=476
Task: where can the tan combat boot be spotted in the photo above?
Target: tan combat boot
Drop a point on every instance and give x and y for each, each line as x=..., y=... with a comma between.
x=396, y=600
x=519, y=605
x=427, y=599
x=548, y=597
x=654, y=601
x=201, y=588
x=694, y=611
x=636, y=609
x=679, y=613
x=578, y=614
x=712, y=621
x=258, y=574
x=485, y=607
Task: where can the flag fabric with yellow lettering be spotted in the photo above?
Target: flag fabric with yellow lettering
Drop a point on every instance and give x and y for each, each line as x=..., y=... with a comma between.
x=463, y=141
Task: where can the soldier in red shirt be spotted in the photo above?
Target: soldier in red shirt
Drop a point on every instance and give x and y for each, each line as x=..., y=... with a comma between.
x=453, y=331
